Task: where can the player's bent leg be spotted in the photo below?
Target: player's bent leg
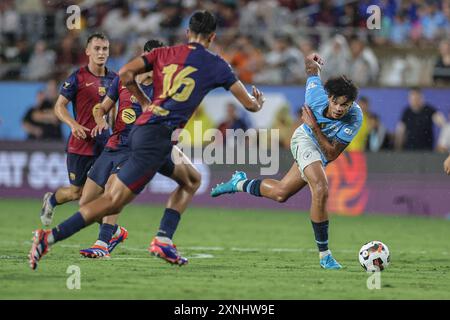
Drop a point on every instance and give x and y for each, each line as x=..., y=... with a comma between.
x=278, y=190
x=188, y=179
x=110, y=234
x=61, y=196
x=91, y=191
x=318, y=183
x=281, y=190
x=115, y=197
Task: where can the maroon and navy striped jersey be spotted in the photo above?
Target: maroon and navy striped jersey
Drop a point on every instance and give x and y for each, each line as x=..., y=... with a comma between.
x=85, y=90
x=182, y=76
x=129, y=110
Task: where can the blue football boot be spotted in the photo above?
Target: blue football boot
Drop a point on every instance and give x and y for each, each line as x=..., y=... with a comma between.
x=328, y=262
x=230, y=186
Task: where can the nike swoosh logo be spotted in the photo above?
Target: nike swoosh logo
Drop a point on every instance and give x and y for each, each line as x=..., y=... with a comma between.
x=89, y=84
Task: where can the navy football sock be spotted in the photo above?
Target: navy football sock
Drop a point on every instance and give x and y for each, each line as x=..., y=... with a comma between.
x=253, y=187
x=321, y=234
x=169, y=223
x=106, y=232
x=53, y=201
x=72, y=225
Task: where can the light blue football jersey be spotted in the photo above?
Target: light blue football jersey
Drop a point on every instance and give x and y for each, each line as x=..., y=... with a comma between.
x=344, y=129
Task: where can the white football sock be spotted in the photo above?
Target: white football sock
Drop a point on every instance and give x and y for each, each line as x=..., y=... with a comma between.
x=165, y=240
x=324, y=253
x=101, y=243
x=240, y=185
x=117, y=233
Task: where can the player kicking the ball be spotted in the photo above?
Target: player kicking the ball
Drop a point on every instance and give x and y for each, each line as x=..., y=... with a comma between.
x=331, y=119
x=182, y=76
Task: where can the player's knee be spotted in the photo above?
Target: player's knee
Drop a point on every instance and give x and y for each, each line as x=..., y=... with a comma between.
x=194, y=181
x=281, y=194
x=320, y=190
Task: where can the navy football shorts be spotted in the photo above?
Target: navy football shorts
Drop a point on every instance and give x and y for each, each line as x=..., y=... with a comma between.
x=151, y=147
x=107, y=164
x=78, y=167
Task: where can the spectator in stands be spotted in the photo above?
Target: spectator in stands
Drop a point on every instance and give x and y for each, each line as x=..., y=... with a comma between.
x=284, y=63
x=415, y=129
x=41, y=64
x=118, y=22
x=400, y=29
x=364, y=66
x=378, y=138
x=441, y=72
x=232, y=121
x=432, y=20
x=246, y=59
x=443, y=144
x=360, y=141
x=40, y=122
x=337, y=56
x=9, y=21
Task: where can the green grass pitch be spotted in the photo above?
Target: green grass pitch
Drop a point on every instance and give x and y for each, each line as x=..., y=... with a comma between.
x=233, y=254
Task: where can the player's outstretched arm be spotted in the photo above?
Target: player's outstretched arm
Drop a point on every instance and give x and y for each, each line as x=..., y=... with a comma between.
x=313, y=64
x=78, y=131
x=331, y=150
x=128, y=74
x=253, y=102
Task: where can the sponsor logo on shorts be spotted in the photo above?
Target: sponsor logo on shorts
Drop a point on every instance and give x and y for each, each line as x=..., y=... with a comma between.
x=72, y=176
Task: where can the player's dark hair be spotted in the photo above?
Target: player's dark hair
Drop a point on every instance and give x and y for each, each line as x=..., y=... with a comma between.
x=152, y=44
x=96, y=35
x=203, y=23
x=341, y=87
x=415, y=89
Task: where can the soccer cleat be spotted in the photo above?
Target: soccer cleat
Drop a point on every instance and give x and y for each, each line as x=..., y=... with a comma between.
x=328, y=262
x=95, y=252
x=230, y=186
x=47, y=210
x=39, y=248
x=167, y=252
x=116, y=240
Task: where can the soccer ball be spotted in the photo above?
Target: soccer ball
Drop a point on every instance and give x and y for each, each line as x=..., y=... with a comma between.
x=374, y=256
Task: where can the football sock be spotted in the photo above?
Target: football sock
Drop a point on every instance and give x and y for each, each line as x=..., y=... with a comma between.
x=72, y=225
x=169, y=223
x=106, y=233
x=252, y=186
x=52, y=200
x=321, y=234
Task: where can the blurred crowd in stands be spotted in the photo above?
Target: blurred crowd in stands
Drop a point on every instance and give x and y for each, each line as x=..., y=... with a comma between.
x=264, y=40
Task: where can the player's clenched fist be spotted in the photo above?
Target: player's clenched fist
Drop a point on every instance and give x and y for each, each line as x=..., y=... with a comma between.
x=447, y=165
x=78, y=131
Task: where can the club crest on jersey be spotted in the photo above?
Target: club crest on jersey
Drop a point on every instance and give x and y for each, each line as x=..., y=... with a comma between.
x=133, y=99
x=128, y=116
x=322, y=125
x=102, y=91
x=311, y=85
